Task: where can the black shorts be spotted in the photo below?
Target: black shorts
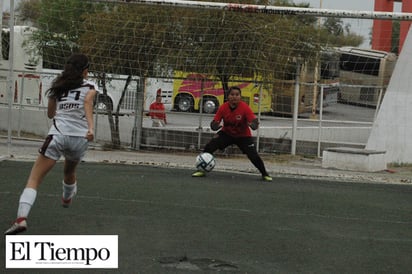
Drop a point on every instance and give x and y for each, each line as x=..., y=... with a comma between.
x=221, y=140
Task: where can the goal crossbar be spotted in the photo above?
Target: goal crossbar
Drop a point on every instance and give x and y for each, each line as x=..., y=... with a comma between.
x=249, y=8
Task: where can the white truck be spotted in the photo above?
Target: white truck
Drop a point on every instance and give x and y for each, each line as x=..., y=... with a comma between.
x=27, y=63
x=30, y=80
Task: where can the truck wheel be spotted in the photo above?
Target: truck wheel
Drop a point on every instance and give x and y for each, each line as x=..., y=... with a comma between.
x=210, y=105
x=104, y=103
x=185, y=103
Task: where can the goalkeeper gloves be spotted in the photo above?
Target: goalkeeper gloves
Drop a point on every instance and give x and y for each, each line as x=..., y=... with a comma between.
x=254, y=124
x=215, y=125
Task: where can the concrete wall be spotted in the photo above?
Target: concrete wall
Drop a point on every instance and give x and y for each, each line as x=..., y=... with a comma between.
x=392, y=129
x=272, y=139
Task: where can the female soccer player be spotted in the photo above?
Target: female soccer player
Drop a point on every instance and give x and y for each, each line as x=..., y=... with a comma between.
x=70, y=105
x=237, y=118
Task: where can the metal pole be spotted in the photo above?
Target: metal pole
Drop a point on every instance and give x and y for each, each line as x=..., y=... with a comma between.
x=275, y=10
x=96, y=110
x=320, y=119
x=378, y=104
x=21, y=105
x=10, y=79
x=137, y=128
x=200, y=128
x=1, y=25
x=259, y=115
x=296, y=107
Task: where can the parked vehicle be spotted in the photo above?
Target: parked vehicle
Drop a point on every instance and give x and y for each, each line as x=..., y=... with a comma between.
x=364, y=75
x=27, y=62
x=202, y=92
x=30, y=79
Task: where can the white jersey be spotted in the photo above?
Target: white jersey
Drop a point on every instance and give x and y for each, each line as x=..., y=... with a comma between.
x=70, y=117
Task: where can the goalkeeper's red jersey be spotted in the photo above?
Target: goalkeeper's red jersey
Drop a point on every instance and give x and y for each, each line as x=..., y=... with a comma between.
x=235, y=121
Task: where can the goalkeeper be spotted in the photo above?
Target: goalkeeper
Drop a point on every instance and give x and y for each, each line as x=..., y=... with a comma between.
x=237, y=118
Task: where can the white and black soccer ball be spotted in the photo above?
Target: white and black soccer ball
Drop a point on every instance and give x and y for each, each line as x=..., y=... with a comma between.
x=205, y=162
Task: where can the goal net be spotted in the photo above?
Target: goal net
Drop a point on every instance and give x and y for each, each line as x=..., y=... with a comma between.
x=191, y=52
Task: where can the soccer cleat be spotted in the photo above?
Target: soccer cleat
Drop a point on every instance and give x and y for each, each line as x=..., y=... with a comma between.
x=66, y=203
x=19, y=225
x=267, y=178
x=199, y=174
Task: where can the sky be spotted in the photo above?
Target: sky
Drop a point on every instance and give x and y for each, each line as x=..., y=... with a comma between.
x=6, y=4
x=360, y=5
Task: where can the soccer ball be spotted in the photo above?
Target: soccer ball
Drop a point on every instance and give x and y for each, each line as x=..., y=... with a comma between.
x=205, y=162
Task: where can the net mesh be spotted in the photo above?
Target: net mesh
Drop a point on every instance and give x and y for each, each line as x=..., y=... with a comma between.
x=165, y=44
x=138, y=39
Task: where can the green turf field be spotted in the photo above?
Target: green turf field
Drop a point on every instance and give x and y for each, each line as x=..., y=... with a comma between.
x=169, y=222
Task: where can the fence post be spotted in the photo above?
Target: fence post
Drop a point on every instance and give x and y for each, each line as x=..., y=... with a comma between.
x=200, y=128
x=378, y=104
x=259, y=116
x=320, y=119
x=21, y=104
x=296, y=107
x=10, y=76
x=138, y=118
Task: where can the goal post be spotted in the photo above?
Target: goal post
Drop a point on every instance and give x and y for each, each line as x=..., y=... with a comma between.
x=278, y=10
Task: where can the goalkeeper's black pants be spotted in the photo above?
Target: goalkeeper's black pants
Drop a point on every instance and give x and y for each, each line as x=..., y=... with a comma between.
x=246, y=144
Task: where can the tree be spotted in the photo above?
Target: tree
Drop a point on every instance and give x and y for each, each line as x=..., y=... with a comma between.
x=334, y=32
x=58, y=22
x=123, y=42
x=249, y=44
